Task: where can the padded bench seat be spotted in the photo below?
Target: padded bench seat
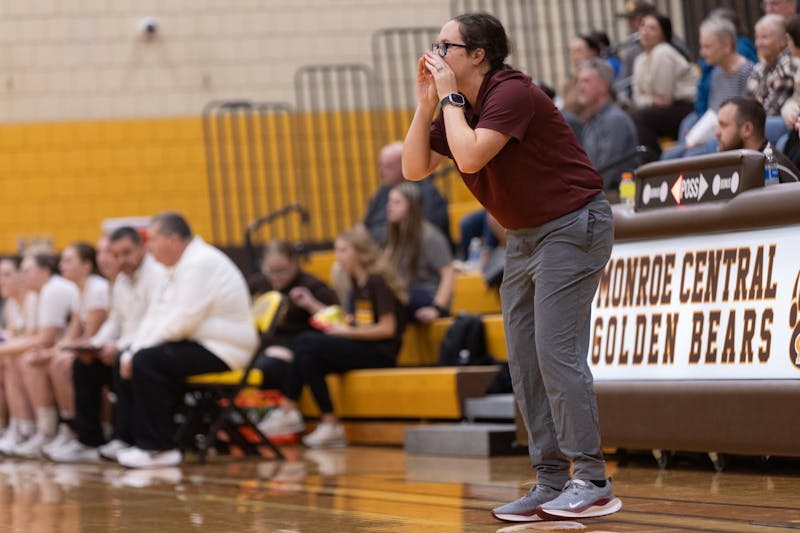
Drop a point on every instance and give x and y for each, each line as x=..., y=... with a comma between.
x=404, y=393
x=231, y=377
x=470, y=294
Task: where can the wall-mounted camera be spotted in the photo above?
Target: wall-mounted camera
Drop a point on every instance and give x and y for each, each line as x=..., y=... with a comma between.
x=148, y=27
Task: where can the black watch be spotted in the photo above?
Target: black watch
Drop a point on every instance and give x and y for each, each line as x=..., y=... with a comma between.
x=455, y=99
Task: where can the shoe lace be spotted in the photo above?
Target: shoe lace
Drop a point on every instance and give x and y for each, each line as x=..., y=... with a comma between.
x=574, y=486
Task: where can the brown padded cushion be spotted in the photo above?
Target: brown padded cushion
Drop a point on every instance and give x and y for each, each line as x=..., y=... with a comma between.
x=756, y=417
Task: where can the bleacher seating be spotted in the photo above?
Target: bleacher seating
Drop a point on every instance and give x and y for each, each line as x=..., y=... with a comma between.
x=471, y=295
x=457, y=211
x=377, y=404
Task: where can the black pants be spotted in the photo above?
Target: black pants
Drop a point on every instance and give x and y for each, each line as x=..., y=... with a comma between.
x=274, y=372
x=659, y=121
x=123, y=410
x=89, y=380
x=317, y=354
x=158, y=375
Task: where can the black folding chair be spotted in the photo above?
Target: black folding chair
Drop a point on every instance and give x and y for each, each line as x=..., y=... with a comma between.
x=210, y=399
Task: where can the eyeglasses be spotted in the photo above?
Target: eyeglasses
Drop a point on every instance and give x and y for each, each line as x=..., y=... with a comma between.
x=441, y=48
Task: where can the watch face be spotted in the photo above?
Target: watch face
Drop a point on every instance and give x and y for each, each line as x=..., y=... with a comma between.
x=457, y=99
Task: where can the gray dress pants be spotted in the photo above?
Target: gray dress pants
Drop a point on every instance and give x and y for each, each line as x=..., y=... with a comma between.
x=550, y=278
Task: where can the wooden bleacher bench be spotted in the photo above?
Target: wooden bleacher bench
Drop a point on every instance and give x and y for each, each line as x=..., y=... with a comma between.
x=421, y=341
x=457, y=211
x=471, y=295
x=320, y=264
x=436, y=393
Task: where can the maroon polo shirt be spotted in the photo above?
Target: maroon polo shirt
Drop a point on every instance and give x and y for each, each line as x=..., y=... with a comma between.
x=542, y=172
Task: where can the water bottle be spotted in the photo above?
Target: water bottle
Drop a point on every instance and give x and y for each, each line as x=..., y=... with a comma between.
x=474, y=253
x=771, y=174
x=627, y=189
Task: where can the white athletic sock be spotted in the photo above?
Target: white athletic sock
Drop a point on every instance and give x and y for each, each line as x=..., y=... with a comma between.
x=25, y=427
x=47, y=421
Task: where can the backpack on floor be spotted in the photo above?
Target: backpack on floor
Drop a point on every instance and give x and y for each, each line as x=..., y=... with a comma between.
x=464, y=343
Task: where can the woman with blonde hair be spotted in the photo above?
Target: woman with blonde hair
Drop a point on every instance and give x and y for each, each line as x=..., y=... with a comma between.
x=374, y=296
x=420, y=253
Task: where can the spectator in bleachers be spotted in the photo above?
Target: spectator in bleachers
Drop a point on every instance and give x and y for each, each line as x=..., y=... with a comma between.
x=784, y=8
x=664, y=85
x=772, y=80
x=581, y=48
x=79, y=266
x=371, y=338
x=420, y=253
x=791, y=109
x=19, y=320
x=609, y=134
x=57, y=299
x=601, y=38
x=727, y=78
x=199, y=322
x=391, y=172
x=630, y=48
x=741, y=123
x=134, y=288
x=744, y=46
x=306, y=295
x=478, y=225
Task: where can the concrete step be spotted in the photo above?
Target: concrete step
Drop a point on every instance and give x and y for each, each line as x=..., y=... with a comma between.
x=462, y=440
x=491, y=407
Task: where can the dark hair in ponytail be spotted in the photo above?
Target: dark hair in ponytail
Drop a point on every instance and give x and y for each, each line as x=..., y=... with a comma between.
x=482, y=30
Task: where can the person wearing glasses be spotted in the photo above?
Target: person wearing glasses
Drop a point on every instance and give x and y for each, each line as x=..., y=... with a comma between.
x=520, y=159
x=306, y=295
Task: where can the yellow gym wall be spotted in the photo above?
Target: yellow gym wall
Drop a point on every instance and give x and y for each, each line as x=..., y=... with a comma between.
x=60, y=180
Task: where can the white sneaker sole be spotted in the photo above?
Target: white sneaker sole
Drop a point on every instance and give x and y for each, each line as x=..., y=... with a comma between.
x=610, y=507
x=327, y=445
x=518, y=517
x=285, y=430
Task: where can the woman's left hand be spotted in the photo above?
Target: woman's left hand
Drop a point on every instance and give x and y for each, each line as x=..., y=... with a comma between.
x=427, y=314
x=443, y=76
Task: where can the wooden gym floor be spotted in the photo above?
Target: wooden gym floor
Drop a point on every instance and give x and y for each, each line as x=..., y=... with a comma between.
x=371, y=489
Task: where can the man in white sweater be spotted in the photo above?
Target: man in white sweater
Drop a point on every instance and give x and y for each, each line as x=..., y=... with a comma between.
x=199, y=322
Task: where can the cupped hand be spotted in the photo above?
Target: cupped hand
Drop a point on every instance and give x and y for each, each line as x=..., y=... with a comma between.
x=426, y=85
x=444, y=79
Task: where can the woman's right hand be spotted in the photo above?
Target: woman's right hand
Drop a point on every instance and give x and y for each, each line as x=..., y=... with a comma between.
x=426, y=85
x=301, y=297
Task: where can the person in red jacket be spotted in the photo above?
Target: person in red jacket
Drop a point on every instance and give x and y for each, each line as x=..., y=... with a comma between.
x=522, y=161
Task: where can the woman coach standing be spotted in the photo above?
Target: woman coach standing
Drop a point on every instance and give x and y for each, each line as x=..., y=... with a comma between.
x=520, y=159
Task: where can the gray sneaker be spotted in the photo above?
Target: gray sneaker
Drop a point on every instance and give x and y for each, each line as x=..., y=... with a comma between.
x=582, y=499
x=526, y=508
